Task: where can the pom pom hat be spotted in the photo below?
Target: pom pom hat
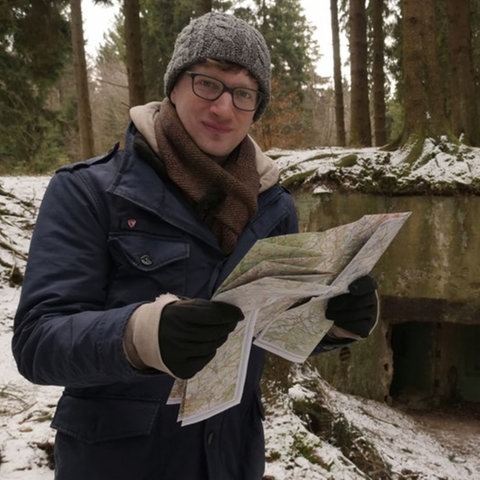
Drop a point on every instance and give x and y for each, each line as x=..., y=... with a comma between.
x=220, y=36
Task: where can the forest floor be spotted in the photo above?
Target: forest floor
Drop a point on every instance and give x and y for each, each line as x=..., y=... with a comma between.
x=456, y=427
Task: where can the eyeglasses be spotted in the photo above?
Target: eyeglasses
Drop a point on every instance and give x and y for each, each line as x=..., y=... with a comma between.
x=210, y=88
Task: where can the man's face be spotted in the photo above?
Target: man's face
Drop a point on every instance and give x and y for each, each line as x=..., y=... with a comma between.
x=217, y=126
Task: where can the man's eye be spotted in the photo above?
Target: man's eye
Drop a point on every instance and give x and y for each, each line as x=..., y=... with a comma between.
x=244, y=94
x=207, y=84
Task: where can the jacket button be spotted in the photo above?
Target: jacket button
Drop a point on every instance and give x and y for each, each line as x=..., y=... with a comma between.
x=146, y=260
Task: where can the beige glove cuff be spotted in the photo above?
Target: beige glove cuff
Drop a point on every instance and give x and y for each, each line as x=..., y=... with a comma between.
x=141, y=334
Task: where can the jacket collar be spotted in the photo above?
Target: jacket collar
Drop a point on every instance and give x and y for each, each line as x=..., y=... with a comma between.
x=137, y=182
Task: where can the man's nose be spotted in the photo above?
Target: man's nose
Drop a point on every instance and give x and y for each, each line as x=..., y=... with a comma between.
x=225, y=100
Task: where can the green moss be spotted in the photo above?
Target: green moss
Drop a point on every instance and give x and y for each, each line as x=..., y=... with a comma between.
x=335, y=429
x=359, y=451
x=297, y=178
x=348, y=161
x=415, y=147
x=301, y=449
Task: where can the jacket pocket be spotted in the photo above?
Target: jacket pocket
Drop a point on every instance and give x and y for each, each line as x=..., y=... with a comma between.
x=147, y=252
x=152, y=263
x=94, y=420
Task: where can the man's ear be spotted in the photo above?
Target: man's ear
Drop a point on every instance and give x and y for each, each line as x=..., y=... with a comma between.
x=172, y=95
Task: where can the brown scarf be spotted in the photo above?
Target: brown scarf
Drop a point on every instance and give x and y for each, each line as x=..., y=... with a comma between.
x=224, y=195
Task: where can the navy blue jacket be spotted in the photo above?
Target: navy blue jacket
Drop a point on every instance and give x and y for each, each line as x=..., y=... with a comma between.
x=111, y=235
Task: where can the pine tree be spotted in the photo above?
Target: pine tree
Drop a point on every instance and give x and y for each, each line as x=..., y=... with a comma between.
x=34, y=47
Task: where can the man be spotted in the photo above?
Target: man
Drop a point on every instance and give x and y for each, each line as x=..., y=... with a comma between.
x=127, y=250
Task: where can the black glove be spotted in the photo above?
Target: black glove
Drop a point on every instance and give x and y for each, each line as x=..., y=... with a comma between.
x=191, y=331
x=357, y=310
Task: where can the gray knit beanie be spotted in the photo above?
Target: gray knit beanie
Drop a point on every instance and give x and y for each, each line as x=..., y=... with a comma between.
x=221, y=37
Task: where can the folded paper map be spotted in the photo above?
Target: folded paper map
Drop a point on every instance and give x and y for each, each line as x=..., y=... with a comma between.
x=282, y=286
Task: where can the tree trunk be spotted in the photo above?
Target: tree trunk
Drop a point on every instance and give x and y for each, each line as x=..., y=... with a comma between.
x=84, y=113
x=424, y=101
x=133, y=41
x=360, y=127
x=380, y=133
x=462, y=93
x=337, y=76
x=204, y=6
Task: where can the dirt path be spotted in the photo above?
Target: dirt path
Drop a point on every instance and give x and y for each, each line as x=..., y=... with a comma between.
x=457, y=428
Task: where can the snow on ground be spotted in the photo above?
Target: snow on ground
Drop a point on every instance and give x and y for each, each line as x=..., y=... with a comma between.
x=25, y=409
x=403, y=444
x=410, y=450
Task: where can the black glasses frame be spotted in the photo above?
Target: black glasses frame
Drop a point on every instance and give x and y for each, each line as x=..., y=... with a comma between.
x=230, y=90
